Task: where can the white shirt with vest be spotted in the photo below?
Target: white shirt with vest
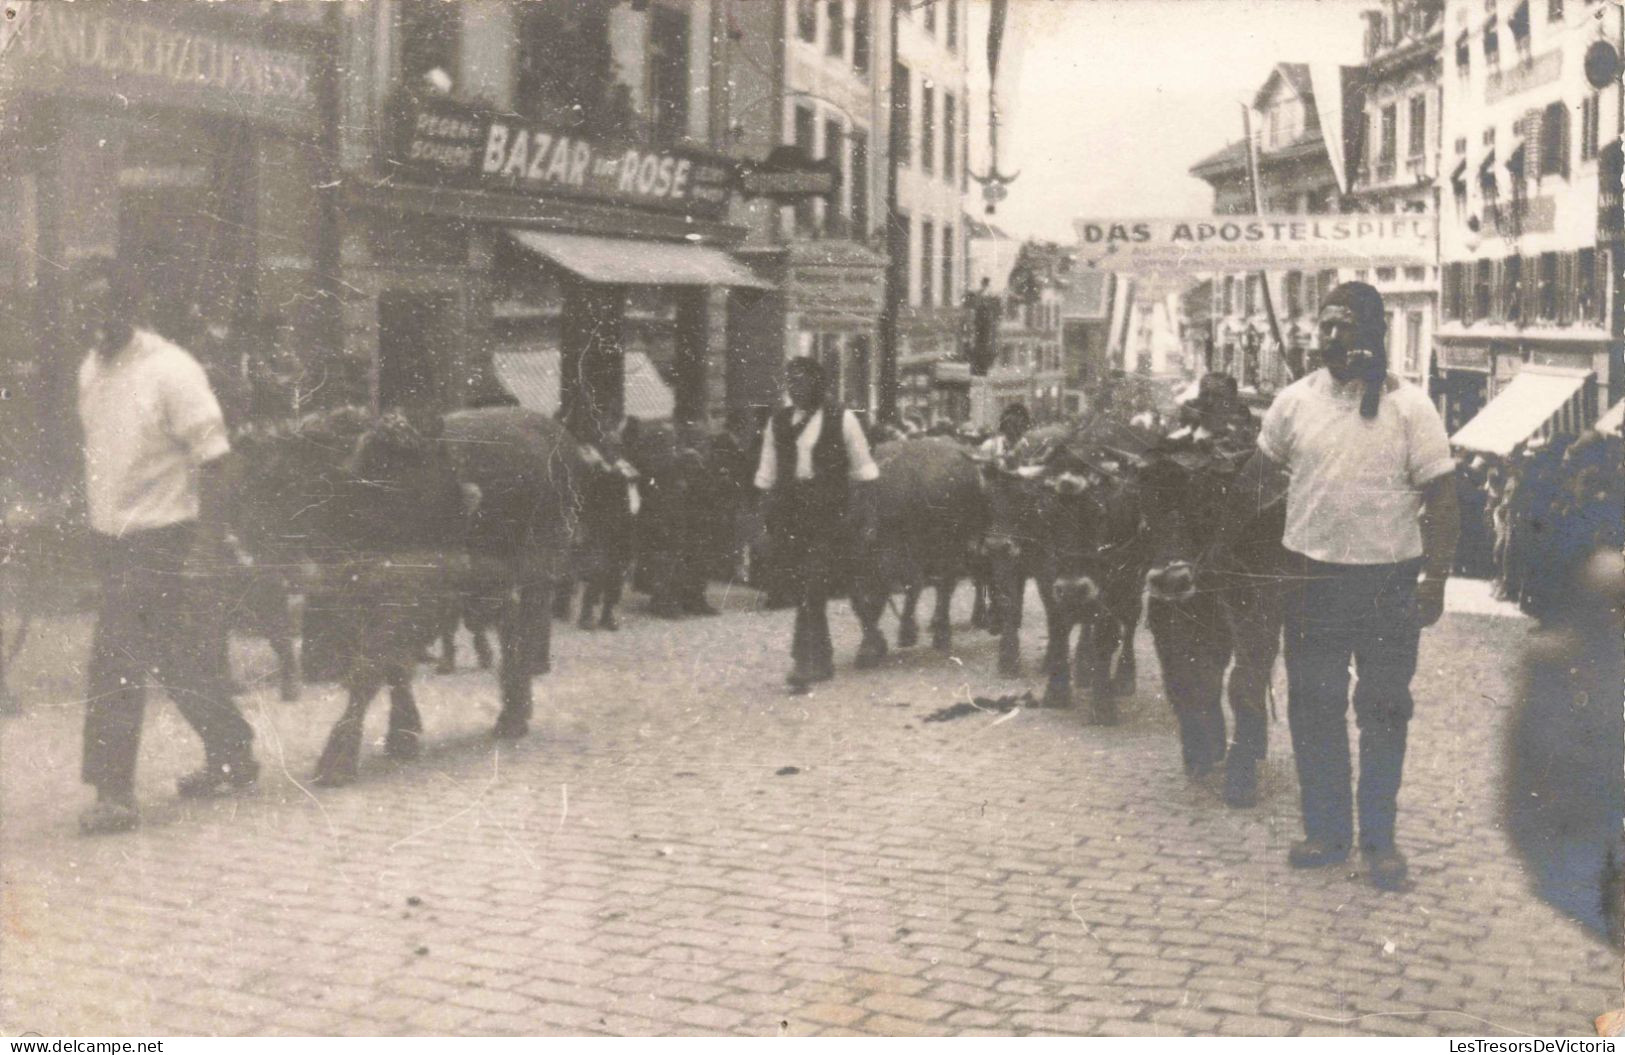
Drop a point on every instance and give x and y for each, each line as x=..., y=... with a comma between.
x=150, y=420
x=861, y=464
x=1355, y=495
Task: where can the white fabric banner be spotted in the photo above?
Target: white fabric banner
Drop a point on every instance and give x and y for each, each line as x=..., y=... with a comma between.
x=1253, y=243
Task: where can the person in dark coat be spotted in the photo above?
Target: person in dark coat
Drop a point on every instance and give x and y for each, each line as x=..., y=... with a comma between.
x=814, y=466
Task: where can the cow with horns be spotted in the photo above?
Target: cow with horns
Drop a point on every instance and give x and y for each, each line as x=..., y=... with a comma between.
x=1066, y=513
x=1216, y=587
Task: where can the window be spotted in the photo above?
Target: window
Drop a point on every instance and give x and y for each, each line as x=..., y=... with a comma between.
x=1450, y=290
x=1368, y=144
x=1590, y=123
x=668, y=74
x=1554, y=10
x=565, y=73
x=1518, y=23
x=897, y=242
x=1482, y=273
x=835, y=43
x=950, y=134
x=948, y=297
x=807, y=20
x=928, y=126
x=1385, y=274
x=1292, y=293
x=1229, y=299
x=1464, y=53
x=431, y=33
x=1388, y=145
x=806, y=135
x=1548, y=286
x=834, y=150
x=1512, y=290
x=1492, y=43
x=858, y=184
x=1418, y=132
x=902, y=137
x=861, y=33
x=1554, y=140
x=928, y=245
x=1588, y=303
x=1416, y=274
x=953, y=25
x=1413, y=342
x=930, y=16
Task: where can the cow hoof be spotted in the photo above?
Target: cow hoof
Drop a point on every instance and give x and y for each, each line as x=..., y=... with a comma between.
x=510, y=729
x=870, y=653
x=1240, y=784
x=1103, y=714
x=908, y=635
x=1057, y=698
x=1009, y=668
x=942, y=639
x=330, y=777
x=446, y=666
x=403, y=745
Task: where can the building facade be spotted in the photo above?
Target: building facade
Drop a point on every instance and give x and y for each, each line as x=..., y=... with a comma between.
x=1296, y=176
x=811, y=74
x=1397, y=168
x=1525, y=284
x=926, y=243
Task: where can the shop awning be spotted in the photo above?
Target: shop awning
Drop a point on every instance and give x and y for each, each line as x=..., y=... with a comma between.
x=1612, y=420
x=1532, y=405
x=636, y=262
x=531, y=375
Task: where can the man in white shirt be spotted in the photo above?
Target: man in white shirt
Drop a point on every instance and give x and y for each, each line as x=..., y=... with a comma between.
x=1370, y=504
x=154, y=438
x=816, y=468
x=1013, y=424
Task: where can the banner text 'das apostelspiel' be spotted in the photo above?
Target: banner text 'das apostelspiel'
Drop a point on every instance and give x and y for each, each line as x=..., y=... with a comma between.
x=1247, y=243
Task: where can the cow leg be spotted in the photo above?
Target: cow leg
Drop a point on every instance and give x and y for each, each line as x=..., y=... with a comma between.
x=942, y=628
x=521, y=634
x=405, y=737
x=341, y=756
x=1009, y=586
x=1126, y=677
x=978, y=607
x=1057, y=660
x=1106, y=635
x=869, y=603
x=908, y=625
x=561, y=599
x=1255, y=621
x=447, y=663
x=281, y=634
x=482, y=643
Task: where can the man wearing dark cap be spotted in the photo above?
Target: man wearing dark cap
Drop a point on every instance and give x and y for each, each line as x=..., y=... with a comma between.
x=1370, y=506
x=815, y=467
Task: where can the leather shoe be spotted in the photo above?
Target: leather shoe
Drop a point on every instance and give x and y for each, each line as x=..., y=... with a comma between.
x=217, y=777
x=1386, y=868
x=1312, y=853
x=108, y=817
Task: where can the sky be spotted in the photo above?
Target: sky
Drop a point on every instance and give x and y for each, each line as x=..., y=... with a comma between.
x=1114, y=100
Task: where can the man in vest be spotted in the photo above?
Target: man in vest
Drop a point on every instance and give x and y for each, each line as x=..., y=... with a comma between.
x=812, y=451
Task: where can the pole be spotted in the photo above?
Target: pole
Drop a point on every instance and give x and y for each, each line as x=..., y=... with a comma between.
x=1294, y=364
x=886, y=395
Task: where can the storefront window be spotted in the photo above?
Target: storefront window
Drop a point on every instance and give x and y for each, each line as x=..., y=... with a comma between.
x=668, y=73
x=431, y=32
x=566, y=75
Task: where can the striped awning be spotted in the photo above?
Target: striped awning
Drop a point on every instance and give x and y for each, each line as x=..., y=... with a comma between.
x=1540, y=401
x=531, y=375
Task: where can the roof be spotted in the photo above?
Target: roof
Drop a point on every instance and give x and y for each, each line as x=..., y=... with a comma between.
x=1296, y=75
x=975, y=228
x=1229, y=157
x=531, y=375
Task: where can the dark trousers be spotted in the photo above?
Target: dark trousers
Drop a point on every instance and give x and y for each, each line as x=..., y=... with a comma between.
x=1336, y=613
x=146, y=632
x=805, y=530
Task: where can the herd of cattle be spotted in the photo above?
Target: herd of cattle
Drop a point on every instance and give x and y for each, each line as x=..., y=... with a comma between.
x=1111, y=520
x=407, y=532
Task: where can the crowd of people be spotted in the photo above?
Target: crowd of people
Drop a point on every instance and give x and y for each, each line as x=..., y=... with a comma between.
x=1531, y=520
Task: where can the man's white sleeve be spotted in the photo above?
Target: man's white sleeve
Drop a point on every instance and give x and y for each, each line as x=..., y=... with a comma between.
x=1427, y=448
x=863, y=467
x=1275, y=436
x=193, y=413
x=767, y=468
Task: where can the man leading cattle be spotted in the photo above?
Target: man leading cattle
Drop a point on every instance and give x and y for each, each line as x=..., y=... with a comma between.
x=1371, y=503
x=815, y=466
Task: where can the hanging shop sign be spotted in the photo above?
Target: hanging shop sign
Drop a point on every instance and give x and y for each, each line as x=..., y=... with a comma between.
x=1249, y=243
x=163, y=56
x=440, y=140
x=788, y=175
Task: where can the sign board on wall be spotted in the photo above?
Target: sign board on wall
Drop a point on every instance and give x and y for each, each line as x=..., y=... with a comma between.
x=147, y=54
x=444, y=141
x=1250, y=243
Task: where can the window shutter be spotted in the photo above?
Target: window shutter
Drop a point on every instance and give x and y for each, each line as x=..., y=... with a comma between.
x=1497, y=305
x=1565, y=288
x=1531, y=290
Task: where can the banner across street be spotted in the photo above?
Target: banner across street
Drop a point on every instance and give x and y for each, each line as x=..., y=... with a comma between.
x=1249, y=243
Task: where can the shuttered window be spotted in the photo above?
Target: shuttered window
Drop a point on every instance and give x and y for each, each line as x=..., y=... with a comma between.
x=1554, y=141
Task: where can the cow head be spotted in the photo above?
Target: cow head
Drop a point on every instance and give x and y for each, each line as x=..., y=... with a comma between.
x=1178, y=512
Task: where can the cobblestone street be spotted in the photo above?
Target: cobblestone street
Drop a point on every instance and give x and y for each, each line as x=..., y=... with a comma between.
x=680, y=848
